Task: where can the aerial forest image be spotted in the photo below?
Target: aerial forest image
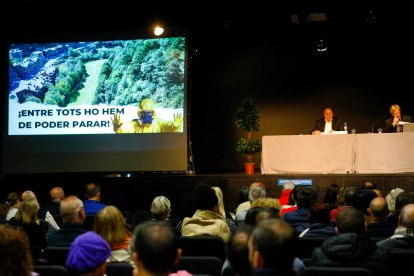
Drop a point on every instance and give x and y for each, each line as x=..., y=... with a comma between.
x=109, y=73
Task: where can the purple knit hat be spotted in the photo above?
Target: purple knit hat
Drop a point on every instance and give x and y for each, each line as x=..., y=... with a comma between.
x=87, y=252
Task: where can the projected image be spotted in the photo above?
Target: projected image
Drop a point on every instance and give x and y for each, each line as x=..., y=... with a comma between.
x=120, y=86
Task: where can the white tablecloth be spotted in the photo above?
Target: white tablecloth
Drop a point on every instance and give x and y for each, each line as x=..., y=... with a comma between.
x=360, y=153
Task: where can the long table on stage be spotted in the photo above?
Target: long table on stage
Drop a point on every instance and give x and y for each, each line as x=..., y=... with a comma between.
x=347, y=153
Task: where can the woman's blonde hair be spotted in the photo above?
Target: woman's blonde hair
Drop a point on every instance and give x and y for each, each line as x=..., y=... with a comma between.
x=394, y=108
x=160, y=208
x=28, y=211
x=110, y=224
x=266, y=202
x=219, y=195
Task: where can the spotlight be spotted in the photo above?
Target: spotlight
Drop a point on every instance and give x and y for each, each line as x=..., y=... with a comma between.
x=158, y=30
x=321, y=46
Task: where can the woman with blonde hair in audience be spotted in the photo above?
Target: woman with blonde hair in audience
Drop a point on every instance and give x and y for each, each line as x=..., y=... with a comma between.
x=26, y=217
x=230, y=222
x=111, y=225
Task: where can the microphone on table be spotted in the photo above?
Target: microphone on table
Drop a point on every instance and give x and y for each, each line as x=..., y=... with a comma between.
x=376, y=122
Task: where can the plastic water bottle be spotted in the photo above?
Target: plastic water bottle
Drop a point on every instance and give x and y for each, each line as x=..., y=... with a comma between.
x=346, y=127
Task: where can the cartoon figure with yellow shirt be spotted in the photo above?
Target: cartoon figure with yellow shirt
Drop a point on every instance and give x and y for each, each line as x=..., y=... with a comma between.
x=147, y=121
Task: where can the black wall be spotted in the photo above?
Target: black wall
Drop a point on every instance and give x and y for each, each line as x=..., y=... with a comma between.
x=238, y=50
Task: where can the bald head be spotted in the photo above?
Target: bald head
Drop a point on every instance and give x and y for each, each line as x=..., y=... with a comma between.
x=378, y=208
x=406, y=218
x=57, y=194
x=71, y=209
x=257, y=184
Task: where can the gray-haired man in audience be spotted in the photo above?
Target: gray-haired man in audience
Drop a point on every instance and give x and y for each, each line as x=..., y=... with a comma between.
x=73, y=215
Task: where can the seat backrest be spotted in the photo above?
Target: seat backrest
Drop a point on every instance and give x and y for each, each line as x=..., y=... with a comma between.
x=141, y=216
x=337, y=271
x=306, y=245
x=118, y=269
x=202, y=246
x=88, y=222
x=56, y=255
x=205, y=265
x=51, y=270
x=400, y=260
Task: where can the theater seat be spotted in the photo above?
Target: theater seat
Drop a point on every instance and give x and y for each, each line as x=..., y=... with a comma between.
x=337, y=271
x=205, y=265
x=56, y=255
x=51, y=270
x=202, y=246
x=118, y=269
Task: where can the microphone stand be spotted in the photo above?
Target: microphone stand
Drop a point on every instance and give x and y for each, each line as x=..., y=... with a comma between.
x=376, y=122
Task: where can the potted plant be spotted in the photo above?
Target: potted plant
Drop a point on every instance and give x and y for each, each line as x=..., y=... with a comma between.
x=247, y=119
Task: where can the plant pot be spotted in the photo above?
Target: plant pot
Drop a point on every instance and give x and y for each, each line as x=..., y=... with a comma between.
x=249, y=168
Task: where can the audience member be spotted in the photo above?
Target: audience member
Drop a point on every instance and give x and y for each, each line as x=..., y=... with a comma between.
x=14, y=252
x=361, y=201
x=237, y=251
x=266, y=202
x=93, y=194
x=161, y=210
x=206, y=220
x=402, y=199
x=306, y=196
x=111, y=225
x=88, y=254
x=271, y=248
x=254, y=193
x=26, y=217
x=370, y=185
x=351, y=247
x=13, y=201
x=320, y=223
x=328, y=124
x=292, y=206
x=73, y=216
x=403, y=237
x=257, y=214
x=331, y=196
x=243, y=197
x=378, y=228
x=57, y=194
x=286, y=190
x=155, y=249
x=28, y=195
x=390, y=198
x=348, y=201
x=229, y=220
x=246, y=205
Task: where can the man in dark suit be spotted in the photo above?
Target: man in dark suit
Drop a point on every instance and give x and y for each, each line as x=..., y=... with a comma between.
x=328, y=123
x=391, y=124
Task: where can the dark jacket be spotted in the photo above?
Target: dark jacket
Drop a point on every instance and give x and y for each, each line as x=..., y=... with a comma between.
x=351, y=249
x=319, y=230
x=320, y=124
x=402, y=243
x=388, y=123
x=65, y=236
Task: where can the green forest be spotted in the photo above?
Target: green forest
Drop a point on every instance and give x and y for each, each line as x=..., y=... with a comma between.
x=133, y=70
